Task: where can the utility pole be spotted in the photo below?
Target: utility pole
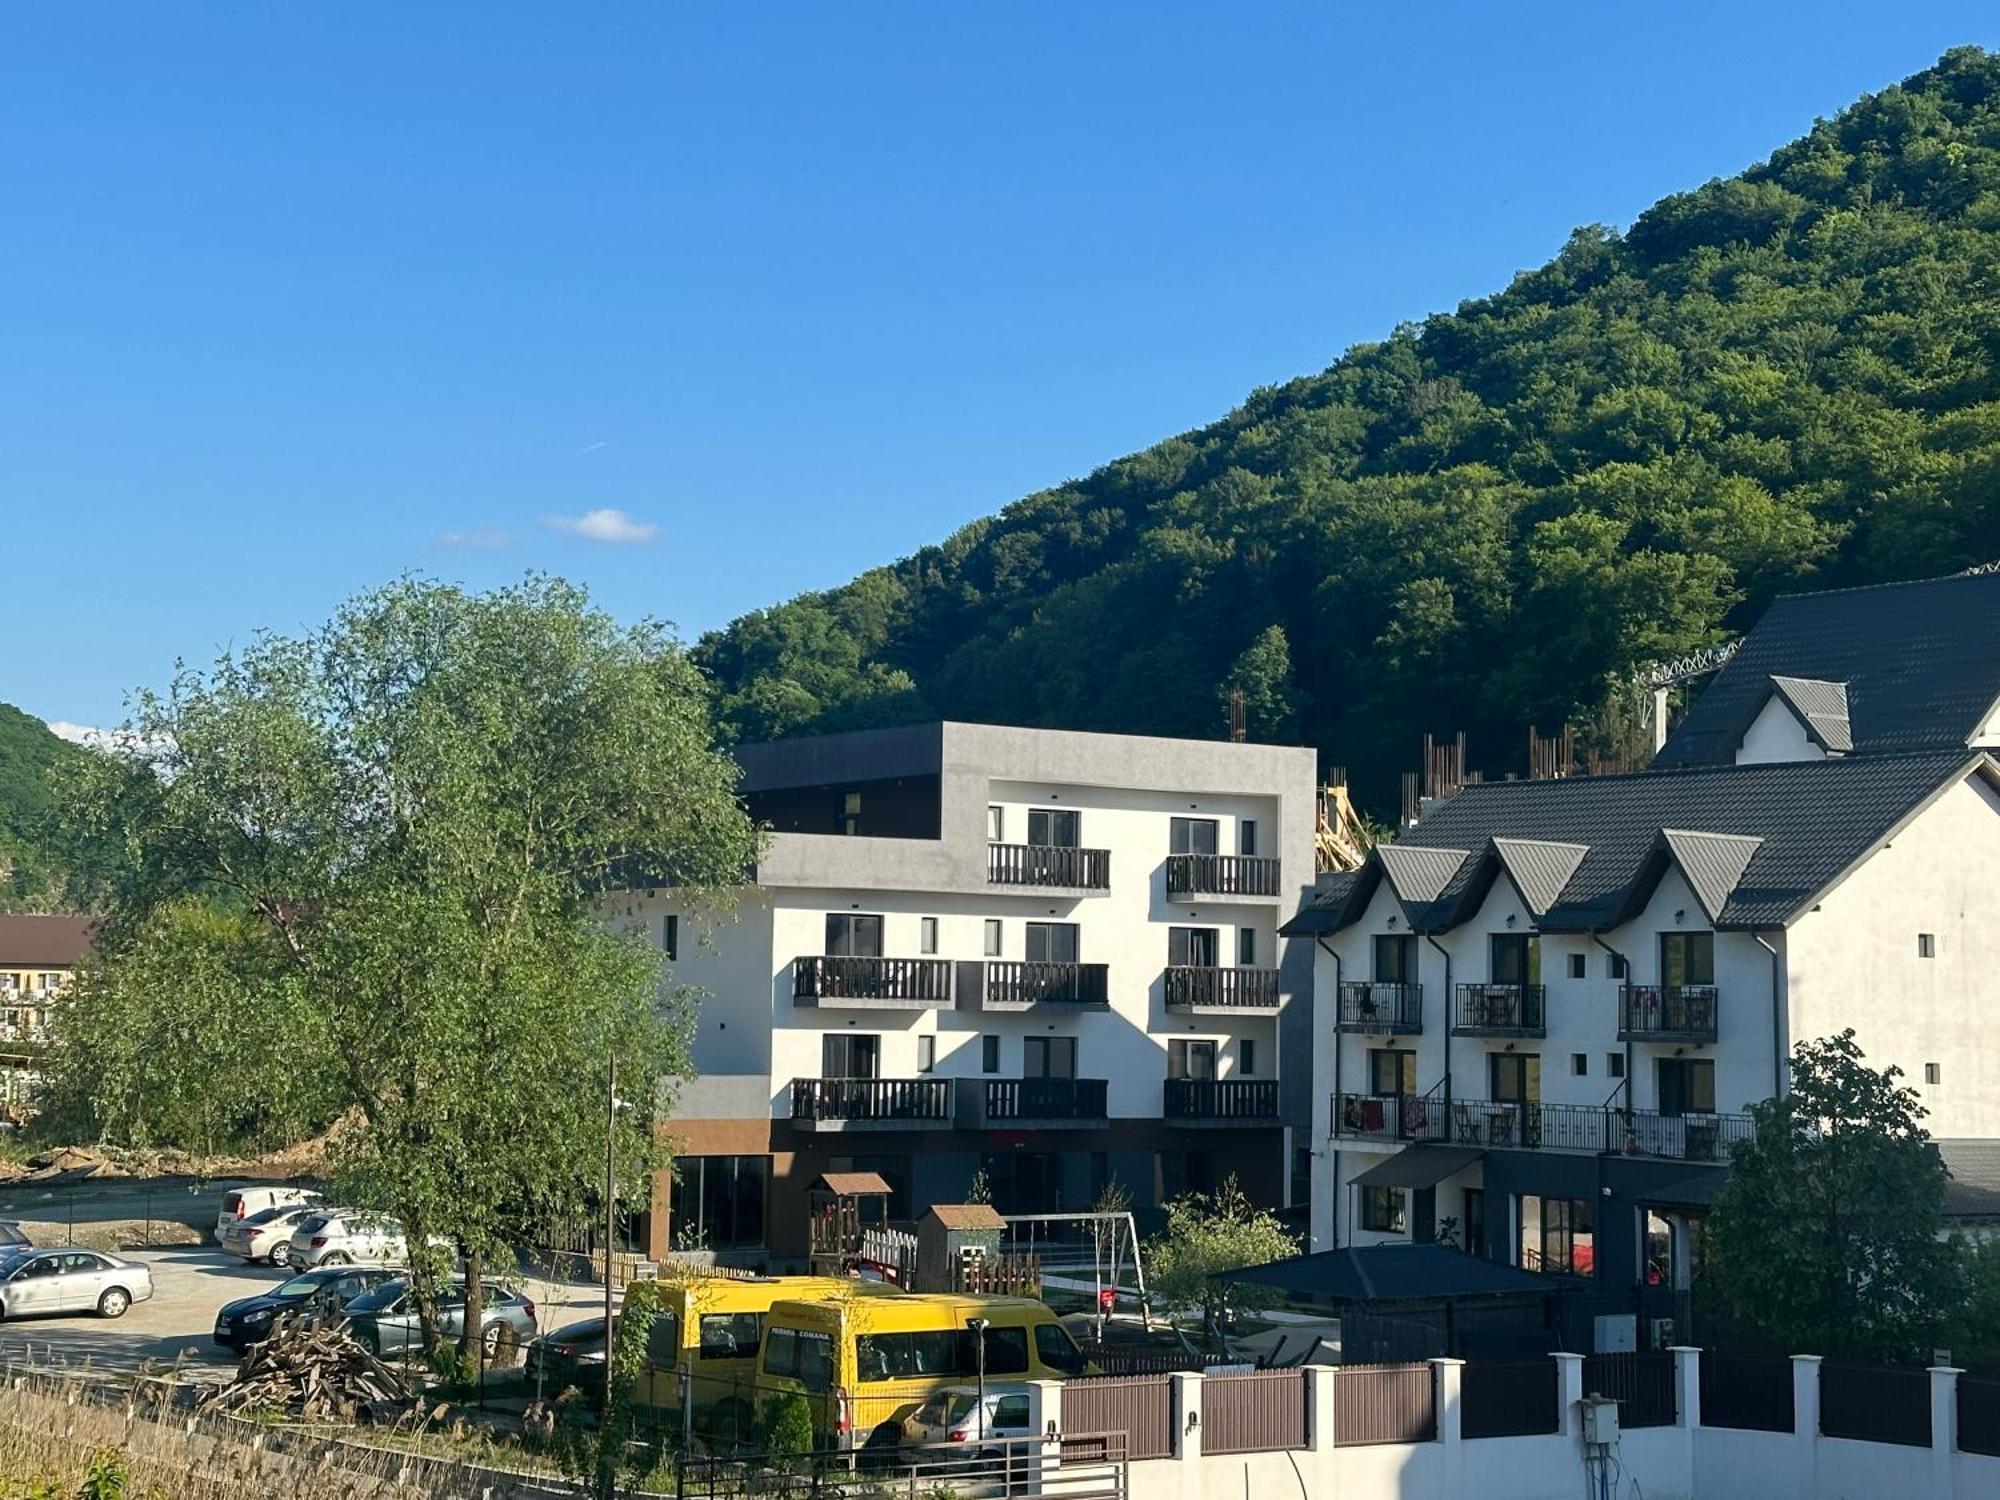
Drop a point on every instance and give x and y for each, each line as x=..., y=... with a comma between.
x=610, y=1211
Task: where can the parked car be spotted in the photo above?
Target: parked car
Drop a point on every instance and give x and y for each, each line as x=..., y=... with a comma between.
x=384, y=1319
x=952, y=1416
x=241, y=1203
x=267, y=1234
x=344, y=1237
x=567, y=1356
x=324, y=1292
x=68, y=1281
x=11, y=1233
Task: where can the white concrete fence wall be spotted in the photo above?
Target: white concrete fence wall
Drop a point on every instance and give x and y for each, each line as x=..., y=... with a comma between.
x=1685, y=1461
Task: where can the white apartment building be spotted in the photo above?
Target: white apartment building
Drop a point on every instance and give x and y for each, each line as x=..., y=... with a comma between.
x=1050, y=957
x=1541, y=1014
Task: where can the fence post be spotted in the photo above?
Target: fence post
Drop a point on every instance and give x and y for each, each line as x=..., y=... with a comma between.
x=1805, y=1424
x=1569, y=1395
x=1687, y=1404
x=1187, y=1414
x=1448, y=1377
x=1319, y=1424
x=1944, y=1430
x=1045, y=1422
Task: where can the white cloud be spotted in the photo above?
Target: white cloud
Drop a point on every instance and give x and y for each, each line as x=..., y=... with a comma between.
x=604, y=526
x=121, y=740
x=480, y=539
x=591, y=447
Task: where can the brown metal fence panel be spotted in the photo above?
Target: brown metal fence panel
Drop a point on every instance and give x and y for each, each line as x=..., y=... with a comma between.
x=1140, y=1406
x=1508, y=1398
x=1876, y=1404
x=1641, y=1384
x=1979, y=1415
x=1748, y=1391
x=1260, y=1411
x=1383, y=1404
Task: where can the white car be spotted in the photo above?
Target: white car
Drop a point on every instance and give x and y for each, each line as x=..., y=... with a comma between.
x=952, y=1416
x=71, y=1281
x=239, y=1204
x=267, y=1234
x=346, y=1237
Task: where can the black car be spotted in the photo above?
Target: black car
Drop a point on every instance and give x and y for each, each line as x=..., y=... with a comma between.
x=325, y=1290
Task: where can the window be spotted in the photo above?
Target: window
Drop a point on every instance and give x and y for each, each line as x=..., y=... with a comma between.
x=1190, y=1059
x=1475, y=1221
x=1191, y=836
x=1557, y=1235
x=989, y=1054
x=1687, y=958
x=1382, y=1210
x=717, y=1202
x=1056, y=1349
x=1246, y=838
x=1516, y=1077
x=1614, y=1065
x=926, y=1053
x=927, y=935
x=670, y=935
x=1007, y=1354
x=1054, y=828
x=850, y=1054
x=1687, y=1086
x=1192, y=947
x=50, y=981
x=853, y=935
x=1395, y=958
x=1246, y=947
x=1516, y=957
x=1579, y=1064
x=1926, y=947
x=1579, y=965
x=1302, y=1174
x=996, y=824
x=1391, y=1072
x=663, y=1341
x=992, y=937
x=1614, y=966
x=1246, y=1057
x=1052, y=942
x=1048, y=1056
x=731, y=1335
x=1656, y=1249
x=850, y=813
x=803, y=1354
x=1933, y=1073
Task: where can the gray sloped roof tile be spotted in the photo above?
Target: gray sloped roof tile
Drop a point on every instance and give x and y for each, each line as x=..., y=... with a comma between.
x=1419, y=873
x=1712, y=863
x=1540, y=868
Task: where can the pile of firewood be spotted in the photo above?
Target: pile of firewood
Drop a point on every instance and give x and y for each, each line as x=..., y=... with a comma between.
x=311, y=1372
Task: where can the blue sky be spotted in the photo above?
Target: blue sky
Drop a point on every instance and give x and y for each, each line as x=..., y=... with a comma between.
x=706, y=305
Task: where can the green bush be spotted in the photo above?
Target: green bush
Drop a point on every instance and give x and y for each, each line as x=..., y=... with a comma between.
x=787, y=1425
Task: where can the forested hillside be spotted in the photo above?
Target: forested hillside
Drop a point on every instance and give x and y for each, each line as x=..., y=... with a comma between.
x=30, y=880
x=1783, y=380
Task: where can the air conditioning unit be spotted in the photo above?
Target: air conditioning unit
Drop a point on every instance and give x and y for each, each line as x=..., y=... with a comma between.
x=1660, y=1333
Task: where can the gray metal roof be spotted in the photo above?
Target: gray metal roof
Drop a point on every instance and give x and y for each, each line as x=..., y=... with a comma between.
x=1539, y=868
x=1822, y=707
x=1974, y=1189
x=1920, y=663
x=1394, y=1273
x=1418, y=874
x=1803, y=824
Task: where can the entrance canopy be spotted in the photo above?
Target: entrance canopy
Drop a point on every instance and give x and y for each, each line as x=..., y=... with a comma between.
x=1419, y=1166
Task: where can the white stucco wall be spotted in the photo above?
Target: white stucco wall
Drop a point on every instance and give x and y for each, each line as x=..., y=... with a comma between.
x=1776, y=734
x=1855, y=961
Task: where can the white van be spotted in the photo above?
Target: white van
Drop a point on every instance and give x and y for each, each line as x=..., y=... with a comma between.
x=239, y=1203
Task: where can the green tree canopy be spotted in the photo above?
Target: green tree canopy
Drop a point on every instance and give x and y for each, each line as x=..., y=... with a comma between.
x=1210, y=1233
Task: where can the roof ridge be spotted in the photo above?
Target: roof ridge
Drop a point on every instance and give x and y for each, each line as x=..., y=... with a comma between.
x=1887, y=583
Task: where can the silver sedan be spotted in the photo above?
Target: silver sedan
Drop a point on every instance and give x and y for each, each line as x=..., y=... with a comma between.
x=71, y=1281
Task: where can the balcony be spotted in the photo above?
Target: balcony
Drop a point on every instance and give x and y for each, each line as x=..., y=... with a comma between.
x=1048, y=867
x=1667, y=1013
x=1390, y=1117
x=1054, y=987
x=1227, y=877
x=1211, y=1102
x=843, y=982
x=1033, y=1103
x=1197, y=991
x=1381, y=1008
x=872, y=1103
x=1597, y=1129
x=1501, y=1010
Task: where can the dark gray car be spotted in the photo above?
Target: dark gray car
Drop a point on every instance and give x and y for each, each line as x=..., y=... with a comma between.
x=384, y=1319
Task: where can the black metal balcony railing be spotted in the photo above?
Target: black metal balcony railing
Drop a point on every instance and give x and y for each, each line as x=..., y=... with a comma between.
x=1668, y=1013
x=866, y=1100
x=1597, y=1128
x=1204, y=988
x=1381, y=1006
x=912, y=981
x=1046, y=1098
x=1221, y=1099
x=1500, y=1010
x=1049, y=865
x=1222, y=875
x=1390, y=1117
x=1025, y=984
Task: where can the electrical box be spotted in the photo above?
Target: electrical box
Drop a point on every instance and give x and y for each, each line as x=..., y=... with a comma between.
x=1600, y=1421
